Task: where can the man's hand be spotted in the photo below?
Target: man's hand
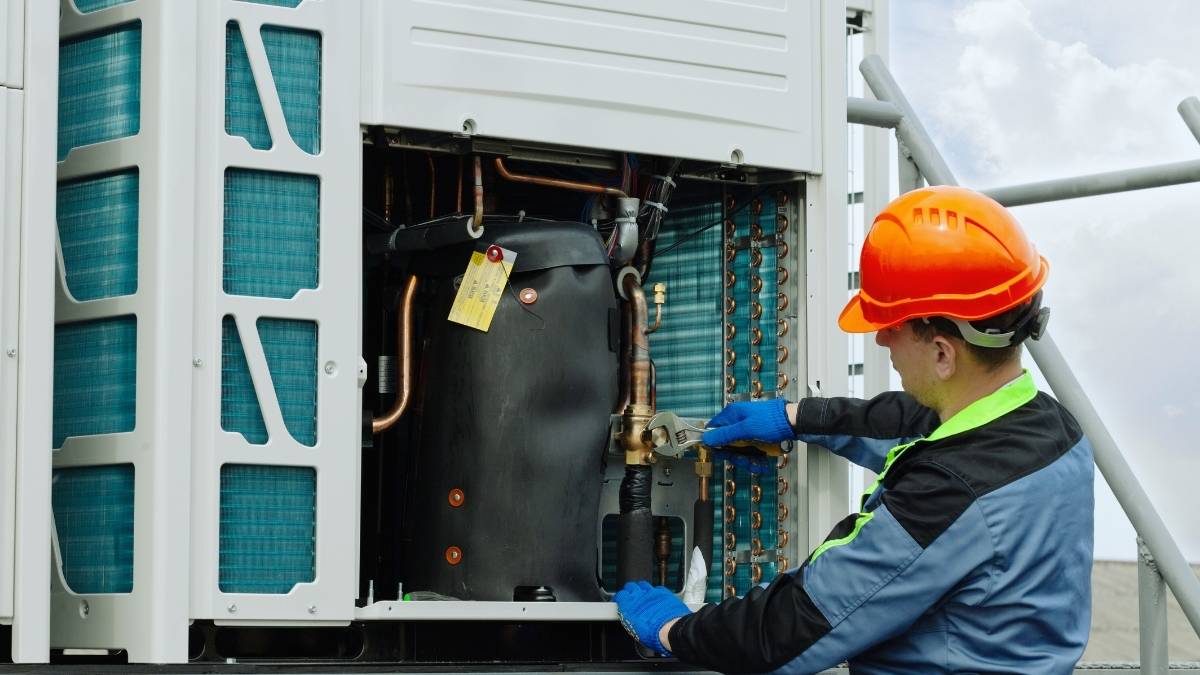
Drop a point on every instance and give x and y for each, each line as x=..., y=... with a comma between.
x=766, y=421
x=645, y=609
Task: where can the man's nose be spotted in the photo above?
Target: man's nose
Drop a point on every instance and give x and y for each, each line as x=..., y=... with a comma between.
x=882, y=337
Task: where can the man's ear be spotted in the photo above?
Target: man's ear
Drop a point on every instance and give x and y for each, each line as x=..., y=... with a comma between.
x=945, y=355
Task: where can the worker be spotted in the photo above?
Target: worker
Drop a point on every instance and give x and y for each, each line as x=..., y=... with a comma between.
x=972, y=550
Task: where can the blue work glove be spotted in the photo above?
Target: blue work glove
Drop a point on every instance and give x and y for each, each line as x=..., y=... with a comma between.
x=764, y=421
x=645, y=609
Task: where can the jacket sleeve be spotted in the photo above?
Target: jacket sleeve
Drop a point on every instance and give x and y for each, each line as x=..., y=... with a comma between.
x=862, y=430
x=875, y=575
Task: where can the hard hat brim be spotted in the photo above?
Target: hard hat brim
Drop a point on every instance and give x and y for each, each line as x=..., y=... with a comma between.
x=852, y=319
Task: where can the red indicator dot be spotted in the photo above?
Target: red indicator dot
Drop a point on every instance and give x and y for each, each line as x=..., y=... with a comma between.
x=495, y=253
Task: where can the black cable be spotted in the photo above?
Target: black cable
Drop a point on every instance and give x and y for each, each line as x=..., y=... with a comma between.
x=705, y=228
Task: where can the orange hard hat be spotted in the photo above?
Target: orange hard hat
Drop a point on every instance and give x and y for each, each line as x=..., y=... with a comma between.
x=942, y=251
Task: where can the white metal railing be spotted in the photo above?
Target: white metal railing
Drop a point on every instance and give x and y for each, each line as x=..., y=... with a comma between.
x=1159, y=557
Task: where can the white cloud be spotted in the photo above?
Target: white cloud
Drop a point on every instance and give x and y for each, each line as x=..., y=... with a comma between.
x=1016, y=92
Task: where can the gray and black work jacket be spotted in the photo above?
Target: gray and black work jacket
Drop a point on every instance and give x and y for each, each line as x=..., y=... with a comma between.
x=972, y=551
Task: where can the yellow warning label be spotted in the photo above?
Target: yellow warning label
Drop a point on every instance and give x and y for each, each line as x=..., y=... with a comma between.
x=481, y=288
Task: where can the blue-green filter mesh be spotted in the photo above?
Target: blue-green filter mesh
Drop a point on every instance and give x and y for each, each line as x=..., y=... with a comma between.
x=99, y=87
x=98, y=229
x=86, y=6
x=291, y=350
x=268, y=524
x=295, y=58
x=687, y=348
x=243, y=109
x=240, y=409
x=95, y=377
x=271, y=233
x=277, y=3
x=93, y=515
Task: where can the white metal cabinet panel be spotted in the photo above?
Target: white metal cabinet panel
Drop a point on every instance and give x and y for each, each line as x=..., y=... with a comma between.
x=12, y=28
x=333, y=305
x=10, y=260
x=688, y=78
x=151, y=620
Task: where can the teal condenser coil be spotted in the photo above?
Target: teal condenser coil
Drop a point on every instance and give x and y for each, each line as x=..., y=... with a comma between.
x=688, y=352
x=271, y=250
x=95, y=362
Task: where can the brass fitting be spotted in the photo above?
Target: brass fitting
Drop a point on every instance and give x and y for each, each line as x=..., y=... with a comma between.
x=635, y=439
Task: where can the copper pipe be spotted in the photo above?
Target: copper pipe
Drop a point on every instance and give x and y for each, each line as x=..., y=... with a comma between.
x=458, y=195
x=639, y=367
x=478, y=222
x=432, y=185
x=404, y=329
x=662, y=548
x=626, y=359
x=556, y=182
x=389, y=192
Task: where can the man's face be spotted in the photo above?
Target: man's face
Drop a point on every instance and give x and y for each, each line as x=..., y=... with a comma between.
x=914, y=359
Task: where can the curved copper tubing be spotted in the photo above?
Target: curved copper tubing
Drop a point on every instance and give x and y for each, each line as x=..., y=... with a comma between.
x=639, y=366
x=404, y=328
x=458, y=196
x=478, y=222
x=556, y=182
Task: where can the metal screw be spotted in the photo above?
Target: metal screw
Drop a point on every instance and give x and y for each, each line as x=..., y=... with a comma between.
x=84, y=609
x=312, y=609
x=232, y=608
x=197, y=362
x=12, y=352
x=330, y=367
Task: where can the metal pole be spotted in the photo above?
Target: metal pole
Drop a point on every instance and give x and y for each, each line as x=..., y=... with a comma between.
x=1152, y=614
x=1124, y=484
x=1112, y=464
x=872, y=113
x=1097, y=184
x=1189, y=110
x=909, y=130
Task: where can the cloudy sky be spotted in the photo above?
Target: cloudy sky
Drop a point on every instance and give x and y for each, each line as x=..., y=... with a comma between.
x=1023, y=90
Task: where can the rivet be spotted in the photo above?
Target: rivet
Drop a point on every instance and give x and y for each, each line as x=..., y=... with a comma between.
x=454, y=555
x=312, y=609
x=197, y=362
x=330, y=367
x=232, y=608
x=456, y=498
x=528, y=296
x=12, y=352
x=84, y=609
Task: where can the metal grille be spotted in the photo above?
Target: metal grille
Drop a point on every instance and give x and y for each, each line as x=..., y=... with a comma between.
x=95, y=383
x=271, y=233
x=93, y=516
x=98, y=231
x=291, y=350
x=268, y=524
x=243, y=109
x=240, y=410
x=86, y=6
x=99, y=87
x=295, y=58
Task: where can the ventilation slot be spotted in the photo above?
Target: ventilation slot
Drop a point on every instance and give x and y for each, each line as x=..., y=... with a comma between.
x=243, y=109
x=295, y=58
x=240, y=410
x=93, y=516
x=95, y=383
x=268, y=521
x=271, y=233
x=291, y=351
x=99, y=87
x=98, y=230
